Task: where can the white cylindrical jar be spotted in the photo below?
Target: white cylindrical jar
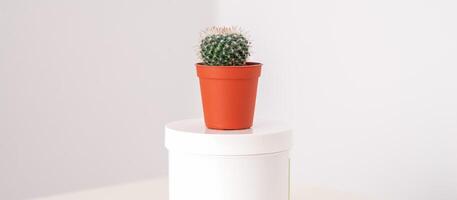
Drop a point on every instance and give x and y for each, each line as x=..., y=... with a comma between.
x=205, y=164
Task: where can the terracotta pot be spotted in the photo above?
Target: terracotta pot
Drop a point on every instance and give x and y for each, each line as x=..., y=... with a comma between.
x=228, y=94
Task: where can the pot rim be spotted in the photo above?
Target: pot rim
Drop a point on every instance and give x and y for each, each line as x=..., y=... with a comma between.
x=248, y=64
x=250, y=71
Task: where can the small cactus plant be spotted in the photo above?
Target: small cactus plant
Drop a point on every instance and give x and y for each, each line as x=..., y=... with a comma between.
x=224, y=46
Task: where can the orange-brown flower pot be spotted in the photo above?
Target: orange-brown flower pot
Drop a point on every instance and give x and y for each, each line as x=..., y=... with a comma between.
x=228, y=95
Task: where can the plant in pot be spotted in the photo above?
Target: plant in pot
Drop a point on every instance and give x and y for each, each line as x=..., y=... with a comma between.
x=228, y=83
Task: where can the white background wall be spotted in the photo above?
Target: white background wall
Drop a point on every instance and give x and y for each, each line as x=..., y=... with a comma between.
x=370, y=86
x=86, y=86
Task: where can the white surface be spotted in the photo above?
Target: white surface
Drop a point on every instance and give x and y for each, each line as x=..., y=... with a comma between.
x=192, y=136
x=370, y=87
x=209, y=164
x=86, y=87
x=157, y=190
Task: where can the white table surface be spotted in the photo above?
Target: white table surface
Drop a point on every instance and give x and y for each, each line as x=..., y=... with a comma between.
x=156, y=189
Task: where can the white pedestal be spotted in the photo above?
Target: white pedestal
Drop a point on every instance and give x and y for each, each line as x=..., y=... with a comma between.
x=251, y=164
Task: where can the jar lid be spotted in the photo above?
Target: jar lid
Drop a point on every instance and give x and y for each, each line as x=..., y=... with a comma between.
x=192, y=136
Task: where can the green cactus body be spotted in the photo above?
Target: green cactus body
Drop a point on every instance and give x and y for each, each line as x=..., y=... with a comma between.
x=224, y=47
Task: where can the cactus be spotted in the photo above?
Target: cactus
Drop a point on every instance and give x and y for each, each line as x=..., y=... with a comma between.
x=224, y=46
